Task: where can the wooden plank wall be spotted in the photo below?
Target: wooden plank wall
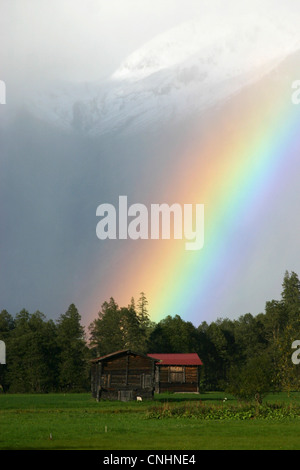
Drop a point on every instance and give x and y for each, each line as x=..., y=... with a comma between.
x=113, y=377
x=118, y=375
x=188, y=379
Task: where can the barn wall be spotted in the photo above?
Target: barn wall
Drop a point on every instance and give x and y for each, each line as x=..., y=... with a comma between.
x=177, y=379
x=123, y=378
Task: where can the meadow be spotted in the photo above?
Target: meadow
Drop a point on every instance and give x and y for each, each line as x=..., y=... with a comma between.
x=169, y=422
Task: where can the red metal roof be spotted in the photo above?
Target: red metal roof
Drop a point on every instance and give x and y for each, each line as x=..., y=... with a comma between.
x=188, y=359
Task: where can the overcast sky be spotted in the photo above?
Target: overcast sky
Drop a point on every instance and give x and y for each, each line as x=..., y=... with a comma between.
x=82, y=40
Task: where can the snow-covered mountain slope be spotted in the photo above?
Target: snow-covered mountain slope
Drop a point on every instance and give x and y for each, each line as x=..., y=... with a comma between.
x=246, y=42
x=182, y=71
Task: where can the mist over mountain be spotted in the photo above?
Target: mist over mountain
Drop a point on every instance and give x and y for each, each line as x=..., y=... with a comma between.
x=185, y=70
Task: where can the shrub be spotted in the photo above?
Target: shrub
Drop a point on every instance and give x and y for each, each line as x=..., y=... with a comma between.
x=242, y=411
x=251, y=382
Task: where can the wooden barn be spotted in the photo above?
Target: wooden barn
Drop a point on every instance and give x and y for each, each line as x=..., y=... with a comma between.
x=177, y=372
x=123, y=375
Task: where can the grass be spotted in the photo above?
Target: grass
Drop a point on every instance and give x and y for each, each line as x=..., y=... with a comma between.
x=76, y=421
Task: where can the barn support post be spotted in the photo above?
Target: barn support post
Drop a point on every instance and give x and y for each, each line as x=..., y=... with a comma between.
x=127, y=368
x=99, y=374
x=154, y=377
x=92, y=381
x=157, y=379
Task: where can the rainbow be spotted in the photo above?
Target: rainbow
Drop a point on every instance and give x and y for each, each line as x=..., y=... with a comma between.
x=249, y=145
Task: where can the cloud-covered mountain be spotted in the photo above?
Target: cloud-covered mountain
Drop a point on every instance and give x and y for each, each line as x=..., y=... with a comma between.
x=182, y=71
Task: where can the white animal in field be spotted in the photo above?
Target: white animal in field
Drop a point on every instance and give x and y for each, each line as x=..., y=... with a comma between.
x=139, y=399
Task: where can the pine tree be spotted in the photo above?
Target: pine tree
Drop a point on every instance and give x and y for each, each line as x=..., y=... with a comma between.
x=291, y=299
x=146, y=326
x=106, y=334
x=73, y=352
x=32, y=354
x=6, y=327
x=288, y=373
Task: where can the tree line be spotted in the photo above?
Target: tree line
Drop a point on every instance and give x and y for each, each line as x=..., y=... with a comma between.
x=247, y=356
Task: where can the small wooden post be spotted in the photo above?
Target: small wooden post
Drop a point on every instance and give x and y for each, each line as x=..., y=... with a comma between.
x=127, y=367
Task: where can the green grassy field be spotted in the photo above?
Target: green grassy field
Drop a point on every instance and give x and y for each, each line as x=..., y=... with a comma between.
x=76, y=421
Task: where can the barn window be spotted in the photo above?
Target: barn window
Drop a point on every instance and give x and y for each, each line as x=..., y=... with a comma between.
x=176, y=374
